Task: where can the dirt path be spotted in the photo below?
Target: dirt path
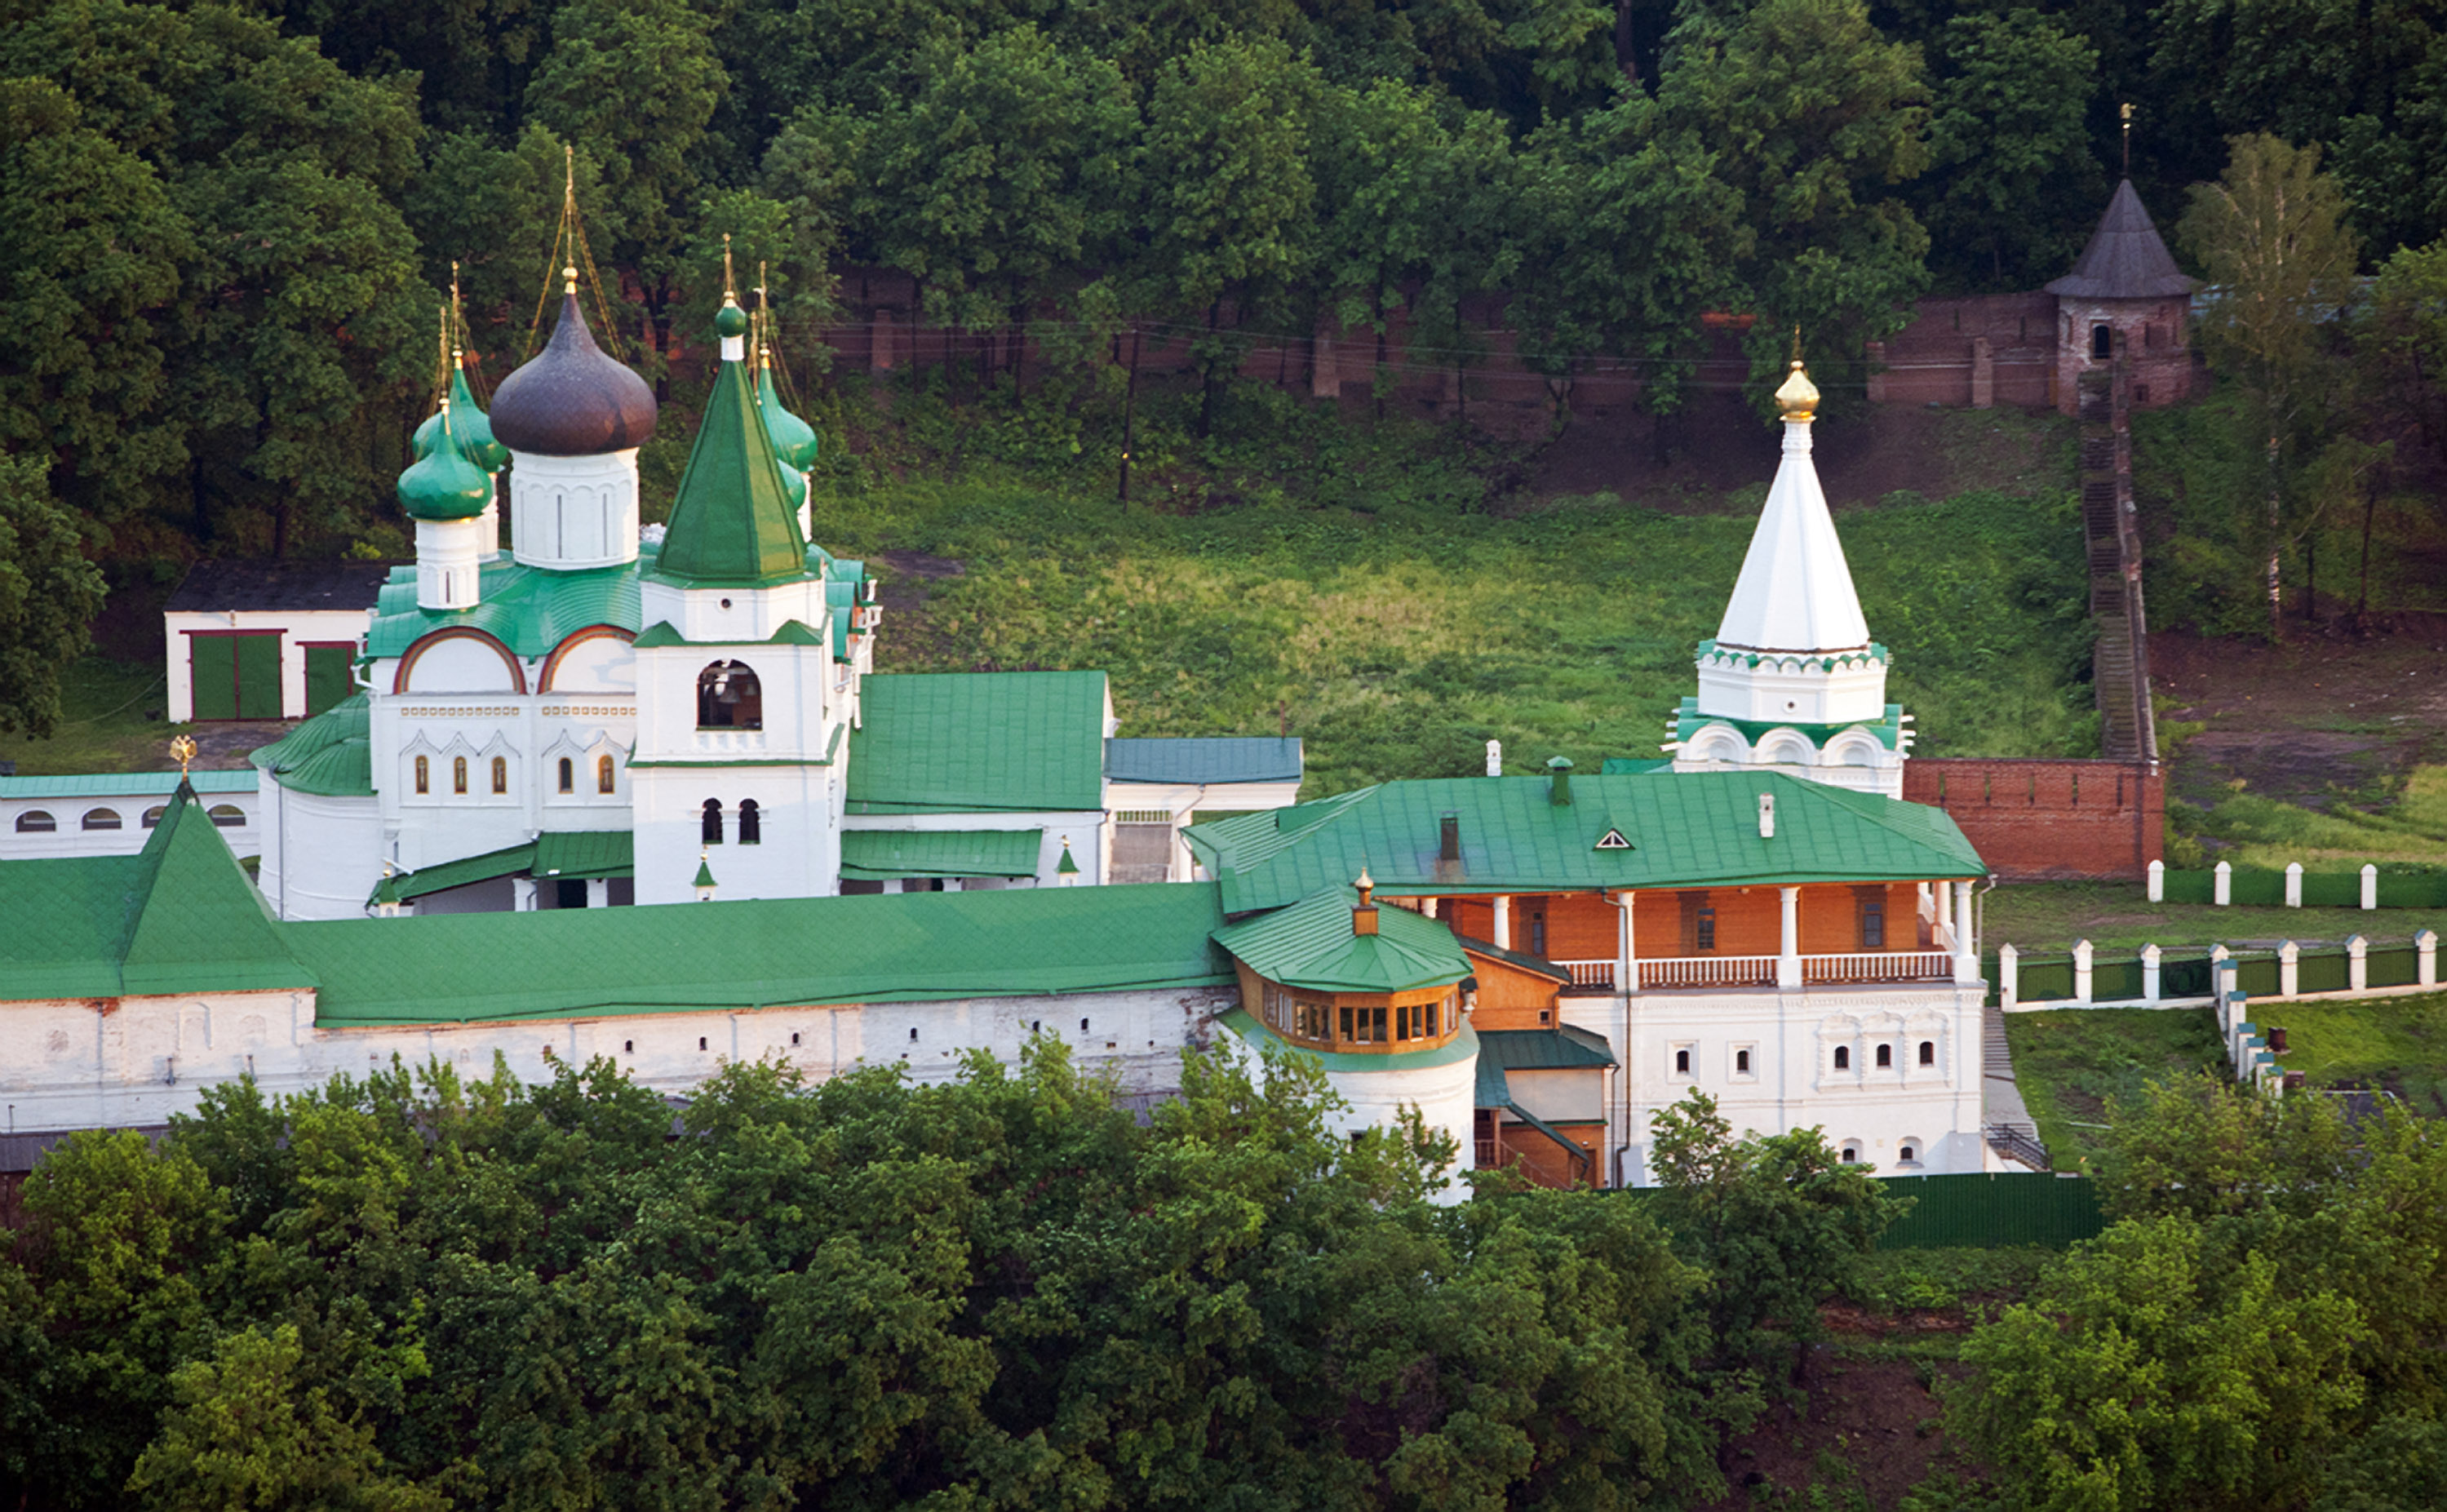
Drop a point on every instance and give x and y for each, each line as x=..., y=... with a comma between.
x=2309, y=720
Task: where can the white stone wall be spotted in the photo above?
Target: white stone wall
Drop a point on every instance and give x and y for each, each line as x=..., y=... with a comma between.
x=70, y=837
x=574, y=512
x=321, y=857
x=113, y=1062
x=1792, y=1081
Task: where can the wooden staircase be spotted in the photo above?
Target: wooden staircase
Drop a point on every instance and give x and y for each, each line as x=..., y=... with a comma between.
x=2121, y=659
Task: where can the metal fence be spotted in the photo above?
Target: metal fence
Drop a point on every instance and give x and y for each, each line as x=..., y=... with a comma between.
x=2049, y=977
x=2264, y=887
x=1984, y=1212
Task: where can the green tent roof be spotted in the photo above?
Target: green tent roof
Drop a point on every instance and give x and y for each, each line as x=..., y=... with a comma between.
x=465, y=968
x=1690, y=829
x=732, y=522
x=882, y=855
x=1030, y=742
x=1311, y=944
x=177, y=917
x=330, y=754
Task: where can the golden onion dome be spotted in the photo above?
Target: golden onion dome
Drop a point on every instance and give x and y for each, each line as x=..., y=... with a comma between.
x=1798, y=397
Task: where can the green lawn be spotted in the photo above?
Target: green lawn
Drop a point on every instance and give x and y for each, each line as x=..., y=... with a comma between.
x=2118, y=916
x=2073, y=1063
x=103, y=727
x=2396, y=1043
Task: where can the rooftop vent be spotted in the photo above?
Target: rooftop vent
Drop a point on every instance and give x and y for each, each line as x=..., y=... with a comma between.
x=1558, y=781
x=1767, y=816
x=1449, y=839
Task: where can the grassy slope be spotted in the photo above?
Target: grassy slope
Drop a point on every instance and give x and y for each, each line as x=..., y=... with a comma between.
x=1362, y=587
x=2399, y=1043
x=102, y=723
x=2070, y=1064
x=2412, y=828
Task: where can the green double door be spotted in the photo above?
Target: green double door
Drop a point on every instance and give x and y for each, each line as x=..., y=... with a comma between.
x=236, y=676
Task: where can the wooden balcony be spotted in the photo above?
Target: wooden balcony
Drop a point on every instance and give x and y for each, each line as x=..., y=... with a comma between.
x=1683, y=972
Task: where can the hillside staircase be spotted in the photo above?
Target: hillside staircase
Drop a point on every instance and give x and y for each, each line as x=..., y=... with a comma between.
x=2009, y=1128
x=2111, y=530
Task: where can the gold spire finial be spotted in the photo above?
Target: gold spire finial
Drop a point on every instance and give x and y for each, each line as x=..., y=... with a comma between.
x=1798, y=397
x=2124, y=114
x=569, y=278
x=183, y=750
x=458, y=321
x=729, y=291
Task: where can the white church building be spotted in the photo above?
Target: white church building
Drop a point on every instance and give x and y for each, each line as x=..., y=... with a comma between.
x=598, y=716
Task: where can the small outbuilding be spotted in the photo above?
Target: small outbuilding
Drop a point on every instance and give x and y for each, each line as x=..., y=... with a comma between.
x=266, y=639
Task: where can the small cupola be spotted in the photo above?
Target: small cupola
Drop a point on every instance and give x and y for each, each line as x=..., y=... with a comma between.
x=448, y=496
x=1363, y=916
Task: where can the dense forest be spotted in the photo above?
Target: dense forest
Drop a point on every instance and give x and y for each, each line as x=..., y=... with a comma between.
x=416, y=1291
x=228, y=227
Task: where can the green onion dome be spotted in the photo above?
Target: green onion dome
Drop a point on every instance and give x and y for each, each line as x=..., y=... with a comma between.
x=475, y=430
x=443, y=485
x=794, y=484
x=730, y=320
x=793, y=438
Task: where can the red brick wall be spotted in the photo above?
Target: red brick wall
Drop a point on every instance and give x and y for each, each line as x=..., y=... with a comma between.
x=1936, y=358
x=2034, y=820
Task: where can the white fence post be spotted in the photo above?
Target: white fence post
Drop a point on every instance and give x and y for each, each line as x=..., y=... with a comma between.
x=2370, y=885
x=2225, y=893
x=2081, y=970
x=2224, y=979
x=2148, y=973
x=2426, y=951
x=2293, y=885
x=2357, y=963
x=2009, y=976
x=2157, y=881
x=2289, y=969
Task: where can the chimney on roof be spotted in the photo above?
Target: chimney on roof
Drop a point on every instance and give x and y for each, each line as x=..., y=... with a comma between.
x=1767, y=816
x=1449, y=839
x=1558, y=781
x=1364, y=918
x=1495, y=758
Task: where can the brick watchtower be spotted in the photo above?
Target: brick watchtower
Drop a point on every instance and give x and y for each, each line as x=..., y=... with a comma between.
x=2125, y=285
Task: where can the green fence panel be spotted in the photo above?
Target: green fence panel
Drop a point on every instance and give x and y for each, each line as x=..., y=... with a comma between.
x=2191, y=887
x=2416, y=890
x=2332, y=890
x=2258, y=889
x=1984, y=1212
x=2398, y=966
x=2184, y=976
x=2256, y=975
x=2041, y=980
x=2322, y=972
x=2111, y=980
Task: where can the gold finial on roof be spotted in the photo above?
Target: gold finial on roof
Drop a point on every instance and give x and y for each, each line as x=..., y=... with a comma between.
x=569, y=278
x=1798, y=396
x=183, y=750
x=730, y=294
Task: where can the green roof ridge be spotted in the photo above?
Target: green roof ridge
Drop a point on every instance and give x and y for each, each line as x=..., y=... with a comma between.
x=732, y=522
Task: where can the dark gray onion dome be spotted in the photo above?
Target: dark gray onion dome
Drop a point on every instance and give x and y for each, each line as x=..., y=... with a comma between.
x=572, y=400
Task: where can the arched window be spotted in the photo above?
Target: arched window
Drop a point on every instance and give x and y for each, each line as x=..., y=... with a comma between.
x=1886, y=1056
x=729, y=697
x=102, y=819
x=153, y=814
x=227, y=816
x=1843, y=1057
x=35, y=821
x=710, y=832
x=1928, y=1053
x=1681, y=1063
x=501, y=774
x=1908, y=1154
x=602, y=774
x=457, y=774
x=568, y=775
x=751, y=831
x=1742, y=1063
x=1850, y=1154
x=424, y=776
x=2102, y=342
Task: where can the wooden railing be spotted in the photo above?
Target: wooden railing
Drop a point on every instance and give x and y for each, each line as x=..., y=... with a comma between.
x=1707, y=971
x=1590, y=974
x=1879, y=966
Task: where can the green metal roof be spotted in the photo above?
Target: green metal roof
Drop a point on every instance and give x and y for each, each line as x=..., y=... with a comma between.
x=527, y=609
x=586, y=853
x=882, y=855
x=177, y=917
x=464, y=968
x=1692, y=829
x=1492, y=1090
x=116, y=784
x=1252, y=1030
x=1527, y=963
x=329, y=755
x=732, y=522
x=1262, y=759
x=443, y=876
x=1544, y=1050
x=1030, y=742
x=1633, y=765
x=662, y=632
x=1311, y=944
